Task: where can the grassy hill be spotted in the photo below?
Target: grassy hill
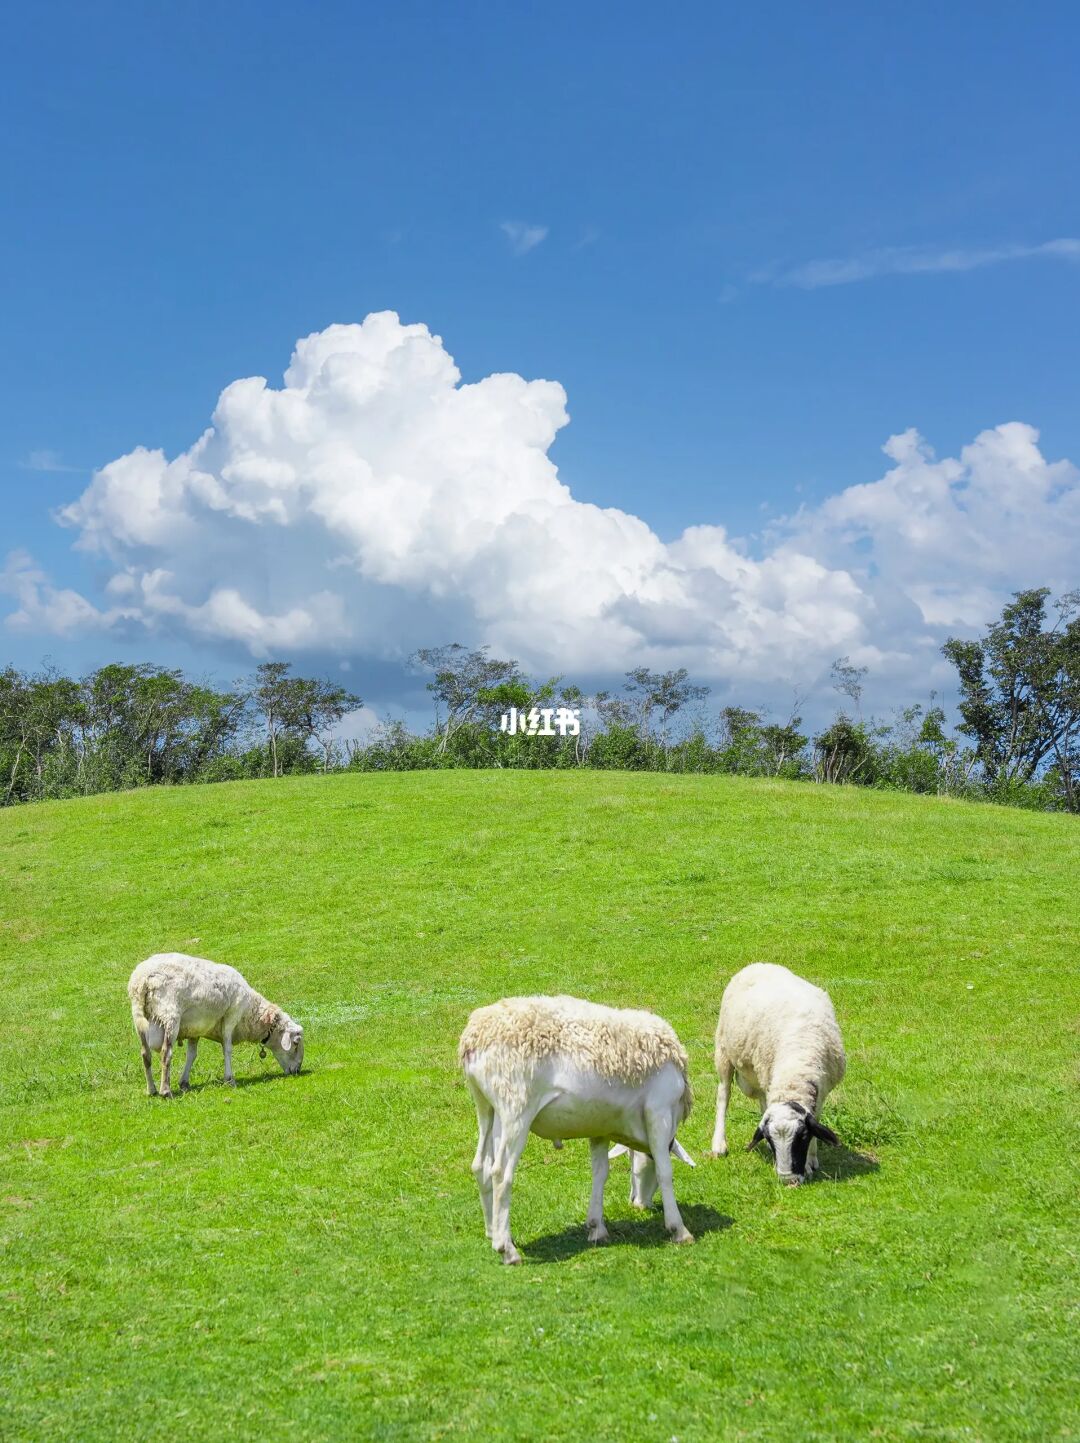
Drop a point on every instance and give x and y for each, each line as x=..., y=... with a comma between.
x=305, y=1257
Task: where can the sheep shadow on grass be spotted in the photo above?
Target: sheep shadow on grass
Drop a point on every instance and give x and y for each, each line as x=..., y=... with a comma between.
x=837, y=1164
x=256, y=1079
x=643, y=1232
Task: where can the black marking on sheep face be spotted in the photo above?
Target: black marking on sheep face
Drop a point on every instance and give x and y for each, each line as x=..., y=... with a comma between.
x=788, y=1129
x=802, y=1138
x=800, y=1146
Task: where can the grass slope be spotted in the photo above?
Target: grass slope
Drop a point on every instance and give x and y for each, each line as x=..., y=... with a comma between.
x=305, y=1257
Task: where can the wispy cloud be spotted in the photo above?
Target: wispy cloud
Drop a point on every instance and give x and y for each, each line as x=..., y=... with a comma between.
x=909, y=260
x=46, y=461
x=589, y=236
x=523, y=238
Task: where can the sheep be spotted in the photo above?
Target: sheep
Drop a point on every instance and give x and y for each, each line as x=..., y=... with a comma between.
x=563, y=1068
x=778, y=1035
x=174, y=996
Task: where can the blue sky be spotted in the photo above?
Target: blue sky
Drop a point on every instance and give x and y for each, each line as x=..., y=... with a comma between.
x=632, y=204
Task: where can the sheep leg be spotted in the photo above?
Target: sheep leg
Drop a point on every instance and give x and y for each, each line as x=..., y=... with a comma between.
x=661, y=1131
x=509, y=1146
x=148, y=1067
x=635, y=1189
x=723, y=1093
x=481, y=1164
x=185, y=1076
x=642, y=1181
x=166, y=1061
x=510, y=1136
x=226, y=1047
x=598, y=1152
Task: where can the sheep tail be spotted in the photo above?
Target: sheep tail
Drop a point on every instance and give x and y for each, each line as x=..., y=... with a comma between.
x=137, y=993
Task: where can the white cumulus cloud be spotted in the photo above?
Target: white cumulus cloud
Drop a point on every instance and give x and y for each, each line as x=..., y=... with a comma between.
x=375, y=503
x=956, y=535
x=48, y=609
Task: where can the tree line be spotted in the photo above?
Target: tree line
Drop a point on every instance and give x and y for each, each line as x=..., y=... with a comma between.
x=1016, y=739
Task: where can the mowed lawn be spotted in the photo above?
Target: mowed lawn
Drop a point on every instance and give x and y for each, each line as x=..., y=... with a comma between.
x=304, y=1257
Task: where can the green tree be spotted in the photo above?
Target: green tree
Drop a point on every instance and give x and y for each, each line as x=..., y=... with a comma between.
x=317, y=708
x=848, y=680
x=274, y=696
x=297, y=711
x=462, y=679
x=1020, y=692
x=844, y=752
x=665, y=692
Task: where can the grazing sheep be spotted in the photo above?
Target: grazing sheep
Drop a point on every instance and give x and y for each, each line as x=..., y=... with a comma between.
x=778, y=1035
x=174, y=996
x=561, y=1068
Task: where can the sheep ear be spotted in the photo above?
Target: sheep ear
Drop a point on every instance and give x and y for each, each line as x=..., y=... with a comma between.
x=681, y=1153
x=825, y=1134
x=758, y=1135
x=617, y=1151
x=286, y=1041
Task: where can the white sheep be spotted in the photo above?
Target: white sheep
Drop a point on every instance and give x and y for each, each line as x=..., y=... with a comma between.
x=174, y=996
x=563, y=1068
x=778, y=1035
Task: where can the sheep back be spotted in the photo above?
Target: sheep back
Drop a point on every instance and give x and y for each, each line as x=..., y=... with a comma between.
x=780, y=1026
x=162, y=986
x=621, y=1044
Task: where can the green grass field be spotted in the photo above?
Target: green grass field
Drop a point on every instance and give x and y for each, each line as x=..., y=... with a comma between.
x=305, y=1257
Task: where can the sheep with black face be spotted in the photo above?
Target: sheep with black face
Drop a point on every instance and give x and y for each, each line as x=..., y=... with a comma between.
x=777, y=1035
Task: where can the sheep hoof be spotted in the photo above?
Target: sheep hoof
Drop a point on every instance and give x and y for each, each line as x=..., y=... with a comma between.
x=185, y=1087
x=230, y=1082
x=598, y=1234
x=511, y=1257
x=165, y=1092
x=718, y=1152
x=682, y=1235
